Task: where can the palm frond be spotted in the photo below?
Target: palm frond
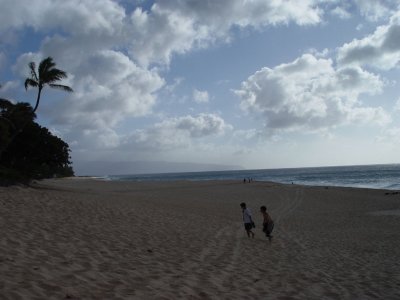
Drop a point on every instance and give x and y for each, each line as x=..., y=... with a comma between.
x=47, y=74
x=53, y=75
x=32, y=68
x=61, y=87
x=30, y=82
x=45, y=65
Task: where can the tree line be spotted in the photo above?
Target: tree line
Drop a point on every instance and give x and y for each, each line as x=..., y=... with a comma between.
x=28, y=150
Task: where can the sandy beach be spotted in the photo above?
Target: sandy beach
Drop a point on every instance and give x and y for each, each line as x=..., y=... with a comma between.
x=91, y=239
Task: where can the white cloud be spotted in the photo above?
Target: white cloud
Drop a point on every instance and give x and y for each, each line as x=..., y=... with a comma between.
x=179, y=26
x=202, y=125
x=374, y=10
x=153, y=36
x=8, y=86
x=9, y=90
x=390, y=136
x=95, y=139
x=106, y=51
x=224, y=13
x=371, y=10
x=170, y=88
x=108, y=87
x=397, y=105
x=89, y=17
x=246, y=134
x=324, y=53
x=380, y=49
x=177, y=132
x=172, y=136
x=159, y=34
x=200, y=96
x=310, y=94
x=341, y=12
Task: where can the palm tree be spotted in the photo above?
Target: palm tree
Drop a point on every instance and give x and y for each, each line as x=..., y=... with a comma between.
x=47, y=75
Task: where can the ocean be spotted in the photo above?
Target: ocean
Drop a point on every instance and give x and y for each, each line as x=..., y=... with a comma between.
x=368, y=176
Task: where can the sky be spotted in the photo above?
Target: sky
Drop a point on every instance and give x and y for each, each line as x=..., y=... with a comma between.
x=218, y=84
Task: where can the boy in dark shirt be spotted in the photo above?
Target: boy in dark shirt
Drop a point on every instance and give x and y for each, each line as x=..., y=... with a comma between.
x=268, y=223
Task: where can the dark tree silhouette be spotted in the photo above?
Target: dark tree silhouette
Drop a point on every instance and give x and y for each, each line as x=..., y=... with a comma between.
x=35, y=152
x=27, y=150
x=47, y=74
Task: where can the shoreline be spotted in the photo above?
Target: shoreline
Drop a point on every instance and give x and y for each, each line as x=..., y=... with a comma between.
x=100, y=178
x=365, y=176
x=90, y=238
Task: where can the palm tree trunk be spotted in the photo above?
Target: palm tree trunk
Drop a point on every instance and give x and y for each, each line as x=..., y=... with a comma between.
x=37, y=99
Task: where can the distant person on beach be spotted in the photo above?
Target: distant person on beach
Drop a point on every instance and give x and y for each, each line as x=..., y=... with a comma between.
x=268, y=223
x=247, y=220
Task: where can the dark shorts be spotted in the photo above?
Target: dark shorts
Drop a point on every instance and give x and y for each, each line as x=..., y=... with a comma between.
x=248, y=226
x=267, y=228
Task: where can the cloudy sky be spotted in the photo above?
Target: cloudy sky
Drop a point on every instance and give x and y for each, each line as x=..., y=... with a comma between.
x=250, y=83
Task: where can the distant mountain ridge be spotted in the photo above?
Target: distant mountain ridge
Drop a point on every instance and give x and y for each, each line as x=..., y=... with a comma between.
x=102, y=168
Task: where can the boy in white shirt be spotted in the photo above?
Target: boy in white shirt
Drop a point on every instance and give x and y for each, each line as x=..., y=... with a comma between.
x=247, y=220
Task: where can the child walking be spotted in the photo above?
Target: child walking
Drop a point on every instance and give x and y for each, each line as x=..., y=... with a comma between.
x=268, y=223
x=247, y=220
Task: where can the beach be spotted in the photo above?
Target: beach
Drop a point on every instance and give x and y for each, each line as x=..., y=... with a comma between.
x=80, y=238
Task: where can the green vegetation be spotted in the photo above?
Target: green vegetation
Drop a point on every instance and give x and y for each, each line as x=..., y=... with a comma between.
x=27, y=150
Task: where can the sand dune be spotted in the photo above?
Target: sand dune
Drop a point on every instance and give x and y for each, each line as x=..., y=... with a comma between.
x=89, y=239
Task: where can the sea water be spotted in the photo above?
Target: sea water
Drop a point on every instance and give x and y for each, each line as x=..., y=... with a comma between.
x=369, y=176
